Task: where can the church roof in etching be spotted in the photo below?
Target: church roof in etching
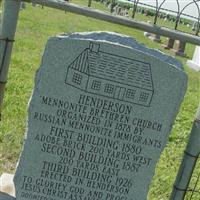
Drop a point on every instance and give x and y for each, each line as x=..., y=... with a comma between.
x=114, y=68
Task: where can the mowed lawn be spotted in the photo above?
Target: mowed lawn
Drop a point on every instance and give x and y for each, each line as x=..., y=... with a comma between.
x=35, y=26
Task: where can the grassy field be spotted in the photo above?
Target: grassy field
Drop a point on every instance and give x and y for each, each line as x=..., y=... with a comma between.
x=34, y=27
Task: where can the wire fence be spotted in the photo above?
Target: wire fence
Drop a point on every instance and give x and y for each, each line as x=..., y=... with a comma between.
x=178, y=17
x=135, y=9
x=135, y=14
x=193, y=192
x=180, y=22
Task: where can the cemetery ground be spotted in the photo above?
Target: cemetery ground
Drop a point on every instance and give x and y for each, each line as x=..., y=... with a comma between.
x=35, y=25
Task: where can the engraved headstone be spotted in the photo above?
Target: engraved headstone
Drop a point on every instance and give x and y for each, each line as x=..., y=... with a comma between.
x=99, y=117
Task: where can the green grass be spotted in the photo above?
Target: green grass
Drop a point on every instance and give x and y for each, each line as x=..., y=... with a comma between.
x=34, y=27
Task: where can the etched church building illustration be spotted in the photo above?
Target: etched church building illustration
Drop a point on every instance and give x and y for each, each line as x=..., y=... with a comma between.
x=112, y=76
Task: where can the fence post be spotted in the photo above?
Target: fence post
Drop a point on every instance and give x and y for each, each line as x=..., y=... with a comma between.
x=8, y=27
x=188, y=163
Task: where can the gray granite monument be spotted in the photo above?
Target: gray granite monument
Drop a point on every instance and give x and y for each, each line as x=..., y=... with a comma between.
x=99, y=117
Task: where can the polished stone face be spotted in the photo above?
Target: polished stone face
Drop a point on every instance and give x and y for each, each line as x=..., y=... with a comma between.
x=99, y=117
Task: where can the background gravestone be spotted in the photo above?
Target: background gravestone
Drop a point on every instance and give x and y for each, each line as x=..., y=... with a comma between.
x=99, y=118
x=195, y=62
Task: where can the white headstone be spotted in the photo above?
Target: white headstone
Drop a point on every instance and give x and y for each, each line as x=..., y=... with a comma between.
x=195, y=62
x=6, y=184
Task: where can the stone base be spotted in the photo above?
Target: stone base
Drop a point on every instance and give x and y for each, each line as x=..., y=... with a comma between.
x=4, y=196
x=165, y=46
x=7, y=185
x=193, y=65
x=179, y=53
